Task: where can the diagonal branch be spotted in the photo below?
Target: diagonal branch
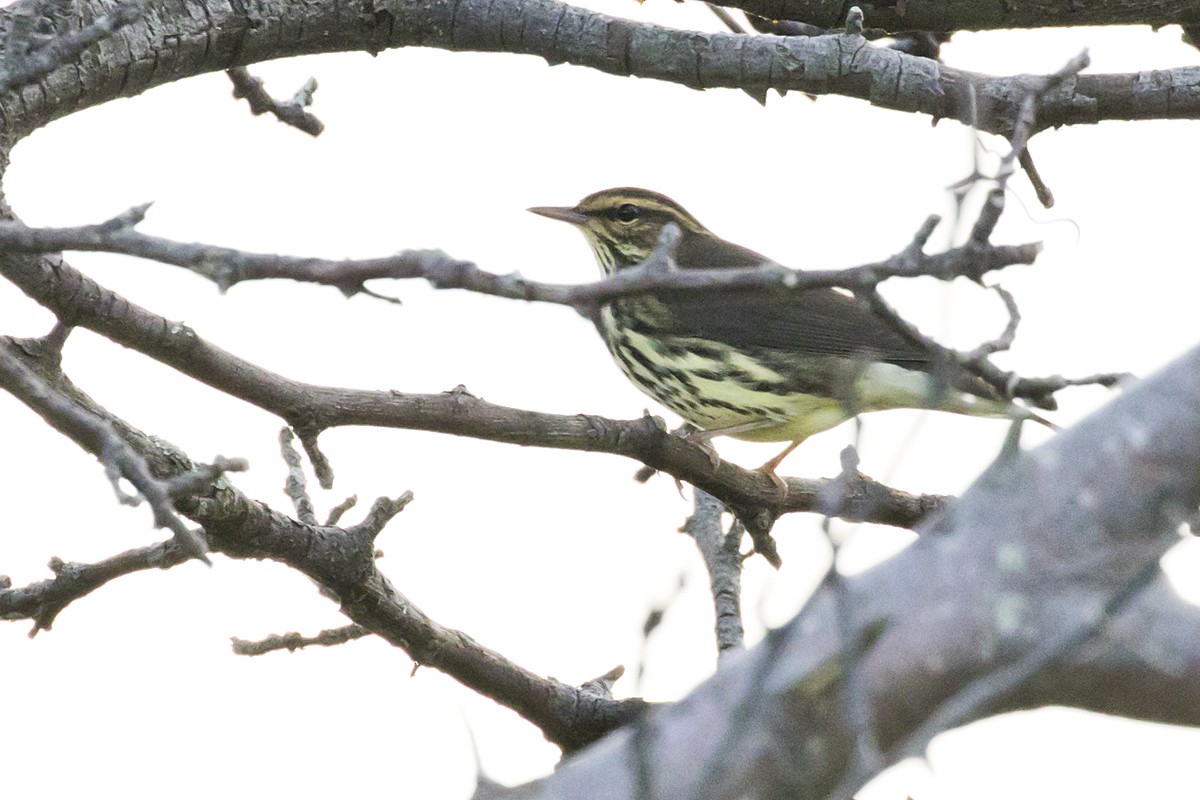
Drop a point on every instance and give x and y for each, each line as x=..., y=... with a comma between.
x=1040, y=586
x=98, y=437
x=290, y=112
x=341, y=560
x=42, y=601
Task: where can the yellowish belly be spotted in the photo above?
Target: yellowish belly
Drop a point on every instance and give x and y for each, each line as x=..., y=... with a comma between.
x=720, y=393
x=723, y=390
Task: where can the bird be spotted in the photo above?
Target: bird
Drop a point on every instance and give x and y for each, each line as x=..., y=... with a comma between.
x=762, y=366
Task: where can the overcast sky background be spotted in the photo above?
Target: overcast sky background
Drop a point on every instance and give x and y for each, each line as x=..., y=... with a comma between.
x=552, y=558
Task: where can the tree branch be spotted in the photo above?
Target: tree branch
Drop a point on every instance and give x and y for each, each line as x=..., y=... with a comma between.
x=947, y=16
x=95, y=435
x=26, y=60
x=295, y=641
x=311, y=409
x=227, y=267
x=224, y=36
x=341, y=560
x=1003, y=605
x=723, y=560
x=290, y=112
x=43, y=601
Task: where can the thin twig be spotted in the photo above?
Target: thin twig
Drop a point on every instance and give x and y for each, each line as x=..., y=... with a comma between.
x=227, y=267
x=43, y=601
x=723, y=560
x=296, y=486
x=290, y=112
x=295, y=641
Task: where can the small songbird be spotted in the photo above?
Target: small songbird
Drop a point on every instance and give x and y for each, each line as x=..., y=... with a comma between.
x=755, y=365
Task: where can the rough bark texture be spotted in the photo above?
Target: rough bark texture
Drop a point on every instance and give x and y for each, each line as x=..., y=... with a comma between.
x=974, y=15
x=1037, y=587
x=176, y=40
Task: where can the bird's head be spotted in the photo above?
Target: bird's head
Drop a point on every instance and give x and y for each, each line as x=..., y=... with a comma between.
x=623, y=225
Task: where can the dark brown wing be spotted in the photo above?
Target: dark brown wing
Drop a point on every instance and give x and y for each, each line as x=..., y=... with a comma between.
x=820, y=322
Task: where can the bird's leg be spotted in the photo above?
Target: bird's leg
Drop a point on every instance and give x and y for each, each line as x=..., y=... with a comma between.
x=769, y=468
x=704, y=438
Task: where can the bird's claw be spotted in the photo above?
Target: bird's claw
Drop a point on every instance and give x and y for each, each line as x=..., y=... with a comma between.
x=768, y=469
x=704, y=442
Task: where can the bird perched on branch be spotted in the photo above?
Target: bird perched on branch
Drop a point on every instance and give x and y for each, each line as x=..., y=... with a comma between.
x=764, y=366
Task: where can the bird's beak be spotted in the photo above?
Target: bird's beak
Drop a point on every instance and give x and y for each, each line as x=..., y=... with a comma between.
x=561, y=214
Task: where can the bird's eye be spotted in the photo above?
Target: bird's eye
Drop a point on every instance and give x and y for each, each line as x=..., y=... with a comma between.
x=628, y=212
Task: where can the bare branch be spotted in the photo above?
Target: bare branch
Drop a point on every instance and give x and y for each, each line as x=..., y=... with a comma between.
x=1025, y=127
x=1050, y=549
x=295, y=486
x=295, y=641
x=976, y=698
x=310, y=409
x=383, y=510
x=227, y=267
x=831, y=64
x=1044, y=195
x=1005, y=339
x=25, y=63
x=44, y=600
x=341, y=508
x=98, y=437
x=290, y=112
x=947, y=16
x=723, y=560
x=342, y=562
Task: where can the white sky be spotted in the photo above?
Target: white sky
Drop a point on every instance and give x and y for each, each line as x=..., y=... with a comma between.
x=552, y=558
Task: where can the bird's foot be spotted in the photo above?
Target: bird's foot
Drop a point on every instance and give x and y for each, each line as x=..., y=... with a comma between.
x=703, y=440
x=769, y=468
x=679, y=487
x=780, y=483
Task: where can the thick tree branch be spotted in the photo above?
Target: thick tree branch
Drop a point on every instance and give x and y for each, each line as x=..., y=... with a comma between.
x=26, y=61
x=181, y=42
x=1018, y=579
x=946, y=16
